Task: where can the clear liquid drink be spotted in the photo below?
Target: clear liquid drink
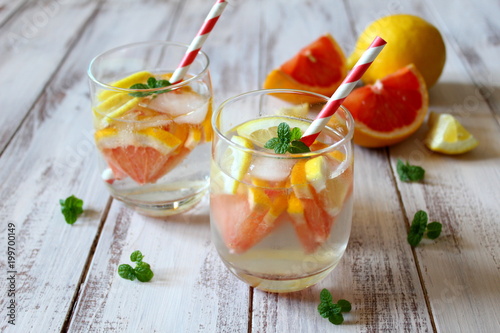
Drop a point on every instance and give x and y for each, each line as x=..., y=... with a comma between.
x=152, y=136
x=280, y=222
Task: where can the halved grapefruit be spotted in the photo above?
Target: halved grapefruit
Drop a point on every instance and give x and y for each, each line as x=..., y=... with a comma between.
x=390, y=110
x=319, y=67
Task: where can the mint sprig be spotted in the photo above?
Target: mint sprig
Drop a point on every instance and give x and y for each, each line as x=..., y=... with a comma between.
x=288, y=140
x=71, y=208
x=152, y=83
x=419, y=227
x=330, y=310
x=408, y=172
x=141, y=272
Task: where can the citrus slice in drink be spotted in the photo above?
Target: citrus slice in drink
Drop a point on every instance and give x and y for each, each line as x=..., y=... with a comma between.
x=446, y=135
x=319, y=67
x=125, y=83
x=143, y=155
x=246, y=219
x=235, y=163
x=390, y=110
x=261, y=130
x=317, y=219
x=296, y=212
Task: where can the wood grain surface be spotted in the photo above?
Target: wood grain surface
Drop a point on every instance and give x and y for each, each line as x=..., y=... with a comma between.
x=66, y=279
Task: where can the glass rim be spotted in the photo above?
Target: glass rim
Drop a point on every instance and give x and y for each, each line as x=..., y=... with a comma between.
x=183, y=83
x=343, y=141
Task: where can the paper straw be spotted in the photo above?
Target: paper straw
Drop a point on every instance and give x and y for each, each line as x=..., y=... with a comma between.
x=198, y=41
x=343, y=90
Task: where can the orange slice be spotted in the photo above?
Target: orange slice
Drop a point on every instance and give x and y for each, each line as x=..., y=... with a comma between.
x=390, y=110
x=319, y=67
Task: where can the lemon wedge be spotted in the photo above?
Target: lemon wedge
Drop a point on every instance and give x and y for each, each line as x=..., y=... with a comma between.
x=446, y=135
x=316, y=170
x=261, y=130
x=236, y=163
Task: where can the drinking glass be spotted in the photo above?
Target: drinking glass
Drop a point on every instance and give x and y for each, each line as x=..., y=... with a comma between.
x=280, y=222
x=152, y=136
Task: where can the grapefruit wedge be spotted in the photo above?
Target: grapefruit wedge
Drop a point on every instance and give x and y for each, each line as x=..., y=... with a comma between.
x=390, y=110
x=319, y=67
x=144, y=155
x=244, y=221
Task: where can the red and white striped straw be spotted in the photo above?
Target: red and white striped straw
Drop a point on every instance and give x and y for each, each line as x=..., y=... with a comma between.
x=343, y=90
x=198, y=41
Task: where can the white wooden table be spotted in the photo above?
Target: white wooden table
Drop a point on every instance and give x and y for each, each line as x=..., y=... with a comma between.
x=65, y=276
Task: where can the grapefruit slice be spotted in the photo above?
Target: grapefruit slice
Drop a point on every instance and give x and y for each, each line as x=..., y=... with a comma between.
x=244, y=221
x=296, y=212
x=319, y=67
x=144, y=155
x=390, y=110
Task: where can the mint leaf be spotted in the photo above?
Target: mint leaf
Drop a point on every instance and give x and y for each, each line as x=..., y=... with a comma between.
x=297, y=147
x=417, y=228
x=344, y=305
x=136, y=256
x=152, y=83
x=330, y=310
x=274, y=142
x=336, y=319
x=71, y=208
x=143, y=272
x=284, y=132
x=409, y=173
x=434, y=230
x=127, y=272
x=287, y=141
x=324, y=310
x=325, y=296
x=139, y=86
x=281, y=148
x=296, y=134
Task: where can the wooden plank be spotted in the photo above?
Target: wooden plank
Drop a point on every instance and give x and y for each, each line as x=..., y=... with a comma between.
x=477, y=44
x=8, y=8
x=452, y=192
x=27, y=63
x=377, y=272
x=460, y=269
x=192, y=290
x=52, y=156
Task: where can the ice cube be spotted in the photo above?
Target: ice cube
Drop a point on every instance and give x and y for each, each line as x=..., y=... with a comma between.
x=271, y=169
x=184, y=107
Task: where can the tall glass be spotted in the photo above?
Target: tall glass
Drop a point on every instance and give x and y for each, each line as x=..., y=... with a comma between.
x=152, y=136
x=280, y=222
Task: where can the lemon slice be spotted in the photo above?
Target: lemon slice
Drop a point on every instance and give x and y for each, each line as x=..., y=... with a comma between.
x=261, y=130
x=161, y=140
x=297, y=111
x=446, y=135
x=236, y=163
x=139, y=77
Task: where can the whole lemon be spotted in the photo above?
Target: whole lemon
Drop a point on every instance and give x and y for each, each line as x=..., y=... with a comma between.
x=410, y=39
